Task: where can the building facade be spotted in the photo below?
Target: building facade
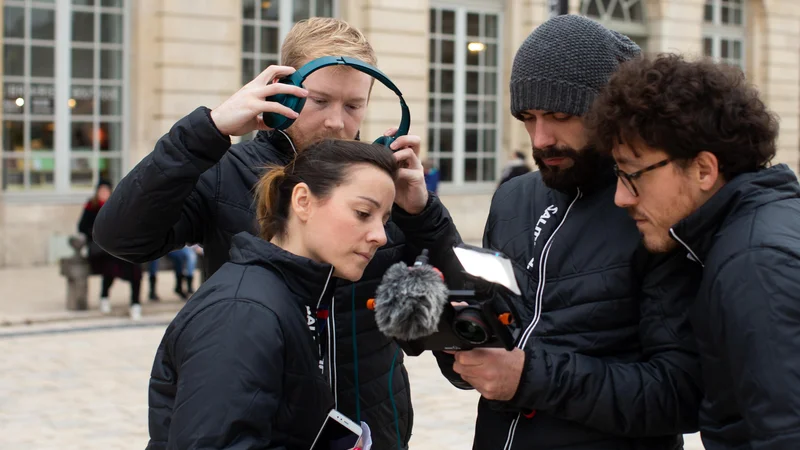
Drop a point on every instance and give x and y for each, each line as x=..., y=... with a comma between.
x=90, y=85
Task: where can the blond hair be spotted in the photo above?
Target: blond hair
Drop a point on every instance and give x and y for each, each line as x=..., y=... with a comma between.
x=324, y=36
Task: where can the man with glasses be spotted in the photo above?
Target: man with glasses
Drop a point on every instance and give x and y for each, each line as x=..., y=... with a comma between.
x=628, y=179
x=606, y=360
x=694, y=175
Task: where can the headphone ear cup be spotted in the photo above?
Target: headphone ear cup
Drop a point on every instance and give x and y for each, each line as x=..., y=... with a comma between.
x=385, y=141
x=278, y=121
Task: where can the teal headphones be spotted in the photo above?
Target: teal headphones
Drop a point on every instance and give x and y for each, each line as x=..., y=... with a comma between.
x=279, y=122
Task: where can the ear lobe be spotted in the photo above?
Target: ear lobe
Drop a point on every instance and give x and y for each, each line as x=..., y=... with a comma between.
x=707, y=170
x=301, y=201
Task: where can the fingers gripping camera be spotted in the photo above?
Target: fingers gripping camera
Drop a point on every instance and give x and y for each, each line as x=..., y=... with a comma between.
x=414, y=306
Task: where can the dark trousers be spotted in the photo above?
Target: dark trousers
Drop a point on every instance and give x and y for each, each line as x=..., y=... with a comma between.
x=108, y=280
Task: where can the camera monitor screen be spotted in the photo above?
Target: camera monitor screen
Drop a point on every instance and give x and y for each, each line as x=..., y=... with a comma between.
x=489, y=265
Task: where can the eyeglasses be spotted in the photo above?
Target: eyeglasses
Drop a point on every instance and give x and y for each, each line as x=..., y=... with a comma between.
x=627, y=178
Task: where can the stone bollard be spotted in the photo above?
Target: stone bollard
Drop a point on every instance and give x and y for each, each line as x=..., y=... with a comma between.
x=76, y=270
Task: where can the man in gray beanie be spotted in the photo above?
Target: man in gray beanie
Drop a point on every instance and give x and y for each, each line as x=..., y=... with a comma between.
x=559, y=70
x=605, y=359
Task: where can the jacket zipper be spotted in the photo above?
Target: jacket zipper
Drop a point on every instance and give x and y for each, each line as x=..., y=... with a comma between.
x=692, y=255
x=328, y=326
x=332, y=354
x=537, y=311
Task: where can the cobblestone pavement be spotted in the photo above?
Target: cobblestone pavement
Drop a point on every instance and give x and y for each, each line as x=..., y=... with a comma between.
x=86, y=389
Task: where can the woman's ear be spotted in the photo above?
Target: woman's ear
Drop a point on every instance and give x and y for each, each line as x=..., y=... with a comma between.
x=301, y=201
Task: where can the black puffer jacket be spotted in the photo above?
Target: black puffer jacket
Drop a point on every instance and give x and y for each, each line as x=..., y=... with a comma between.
x=238, y=367
x=197, y=188
x=610, y=362
x=747, y=313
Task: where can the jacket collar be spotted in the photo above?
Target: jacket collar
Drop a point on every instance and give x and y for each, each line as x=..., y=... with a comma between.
x=311, y=281
x=740, y=196
x=280, y=142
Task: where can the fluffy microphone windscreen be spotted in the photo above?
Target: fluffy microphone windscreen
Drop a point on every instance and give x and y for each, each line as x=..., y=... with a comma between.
x=409, y=301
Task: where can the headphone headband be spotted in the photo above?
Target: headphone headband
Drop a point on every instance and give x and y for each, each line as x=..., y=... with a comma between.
x=312, y=66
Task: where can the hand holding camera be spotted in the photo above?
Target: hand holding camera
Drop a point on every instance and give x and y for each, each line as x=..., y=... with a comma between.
x=479, y=326
x=414, y=305
x=493, y=372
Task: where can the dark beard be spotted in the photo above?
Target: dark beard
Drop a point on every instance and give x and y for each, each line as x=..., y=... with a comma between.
x=588, y=168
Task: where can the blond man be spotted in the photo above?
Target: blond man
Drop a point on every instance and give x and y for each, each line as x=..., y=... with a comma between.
x=196, y=188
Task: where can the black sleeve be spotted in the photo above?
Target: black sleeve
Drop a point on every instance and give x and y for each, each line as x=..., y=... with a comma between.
x=756, y=296
x=230, y=365
x=659, y=395
x=163, y=203
x=446, y=360
x=432, y=229
x=86, y=222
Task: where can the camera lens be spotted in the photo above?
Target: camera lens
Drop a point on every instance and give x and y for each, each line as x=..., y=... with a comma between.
x=469, y=326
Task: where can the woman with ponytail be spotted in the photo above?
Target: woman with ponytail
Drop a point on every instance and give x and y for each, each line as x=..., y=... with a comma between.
x=243, y=365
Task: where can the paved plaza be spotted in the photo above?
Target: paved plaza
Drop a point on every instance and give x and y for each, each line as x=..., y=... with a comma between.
x=78, y=380
x=84, y=387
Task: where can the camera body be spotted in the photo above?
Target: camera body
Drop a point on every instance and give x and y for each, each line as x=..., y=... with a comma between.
x=483, y=317
x=414, y=306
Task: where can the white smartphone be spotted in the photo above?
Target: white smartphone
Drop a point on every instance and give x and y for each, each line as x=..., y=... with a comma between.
x=337, y=433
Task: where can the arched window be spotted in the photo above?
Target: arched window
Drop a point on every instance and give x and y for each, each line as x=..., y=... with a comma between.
x=724, y=31
x=625, y=16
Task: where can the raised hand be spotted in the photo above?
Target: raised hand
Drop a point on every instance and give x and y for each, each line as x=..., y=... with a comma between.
x=241, y=113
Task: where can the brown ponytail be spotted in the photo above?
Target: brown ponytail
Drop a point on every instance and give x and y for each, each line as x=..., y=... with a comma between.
x=267, y=196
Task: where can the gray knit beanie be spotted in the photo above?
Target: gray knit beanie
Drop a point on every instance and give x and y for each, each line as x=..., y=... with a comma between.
x=563, y=64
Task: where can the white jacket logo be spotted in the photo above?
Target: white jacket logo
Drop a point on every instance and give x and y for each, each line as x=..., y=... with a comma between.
x=312, y=325
x=548, y=212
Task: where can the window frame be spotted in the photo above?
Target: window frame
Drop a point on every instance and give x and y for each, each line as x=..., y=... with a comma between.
x=285, y=22
x=626, y=27
x=62, y=81
x=459, y=155
x=717, y=32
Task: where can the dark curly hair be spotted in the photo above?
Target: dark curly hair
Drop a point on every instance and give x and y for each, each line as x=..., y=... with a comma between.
x=684, y=108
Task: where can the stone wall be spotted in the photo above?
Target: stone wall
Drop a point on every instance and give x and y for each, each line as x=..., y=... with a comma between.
x=186, y=53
